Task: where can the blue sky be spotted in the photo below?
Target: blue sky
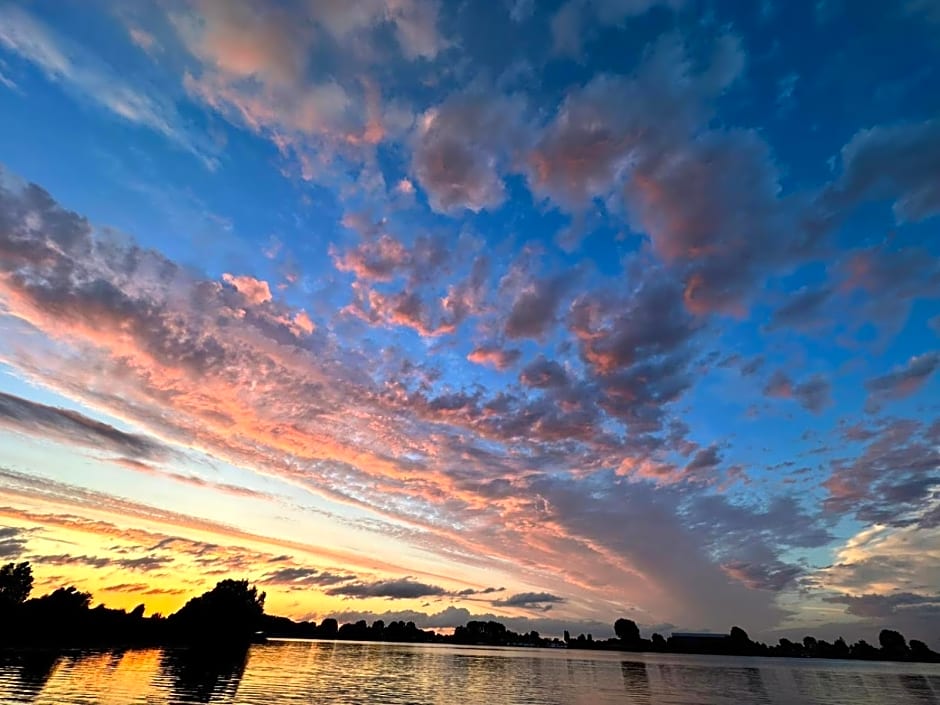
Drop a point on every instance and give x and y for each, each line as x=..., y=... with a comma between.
x=591, y=301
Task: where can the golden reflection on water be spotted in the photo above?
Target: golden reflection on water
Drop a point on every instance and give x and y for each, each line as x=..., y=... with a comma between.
x=285, y=673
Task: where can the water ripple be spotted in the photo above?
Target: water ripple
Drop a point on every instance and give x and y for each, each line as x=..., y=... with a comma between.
x=349, y=673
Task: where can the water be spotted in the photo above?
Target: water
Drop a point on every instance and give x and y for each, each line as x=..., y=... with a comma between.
x=347, y=673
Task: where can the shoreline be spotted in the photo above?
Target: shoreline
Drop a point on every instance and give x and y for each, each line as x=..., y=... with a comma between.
x=209, y=648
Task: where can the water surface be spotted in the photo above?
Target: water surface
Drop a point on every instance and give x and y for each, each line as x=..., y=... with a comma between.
x=289, y=672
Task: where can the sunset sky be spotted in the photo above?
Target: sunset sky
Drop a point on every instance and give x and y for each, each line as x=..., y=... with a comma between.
x=554, y=311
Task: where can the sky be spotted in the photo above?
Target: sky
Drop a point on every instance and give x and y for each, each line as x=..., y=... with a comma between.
x=549, y=312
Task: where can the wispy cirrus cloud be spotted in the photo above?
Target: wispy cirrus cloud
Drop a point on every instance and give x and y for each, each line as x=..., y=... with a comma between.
x=91, y=79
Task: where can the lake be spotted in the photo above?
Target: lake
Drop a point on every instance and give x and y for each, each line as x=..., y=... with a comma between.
x=284, y=672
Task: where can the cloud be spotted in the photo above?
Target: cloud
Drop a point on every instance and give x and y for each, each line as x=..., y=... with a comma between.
x=452, y=617
x=190, y=480
x=886, y=607
x=571, y=22
x=705, y=460
x=890, y=479
x=60, y=502
x=709, y=200
x=12, y=542
x=255, y=291
x=68, y=426
x=383, y=258
x=928, y=9
x=497, y=357
x=532, y=312
x=891, y=278
x=484, y=591
x=904, y=380
x=400, y=589
x=712, y=209
x=883, y=560
x=421, y=283
x=301, y=577
x=256, y=68
x=547, y=475
x=898, y=163
x=463, y=146
x=801, y=309
x=647, y=321
x=813, y=394
x=774, y=577
x=542, y=373
x=612, y=122
x=141, y=563
x=100, y=84
x=529, y=600
x=145, y=40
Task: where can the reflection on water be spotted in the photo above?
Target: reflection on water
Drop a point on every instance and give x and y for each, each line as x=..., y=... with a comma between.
x=201, y=675
x=28, y=672
x=284, y=673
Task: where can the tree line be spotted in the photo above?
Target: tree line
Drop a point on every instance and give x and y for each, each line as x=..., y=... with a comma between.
x=232, y=613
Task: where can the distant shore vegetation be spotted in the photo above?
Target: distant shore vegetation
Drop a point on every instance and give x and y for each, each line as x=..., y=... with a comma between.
x=232, y=613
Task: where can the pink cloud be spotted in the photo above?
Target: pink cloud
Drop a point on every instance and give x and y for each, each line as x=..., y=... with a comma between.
x=493, y=356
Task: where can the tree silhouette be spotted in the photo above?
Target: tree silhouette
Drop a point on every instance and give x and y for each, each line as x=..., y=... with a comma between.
x=893, y=643
x=920, y=651
x=329, y=628
x=63, y=601
x=232, y=609
x=16, y=582
x=627, y=631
